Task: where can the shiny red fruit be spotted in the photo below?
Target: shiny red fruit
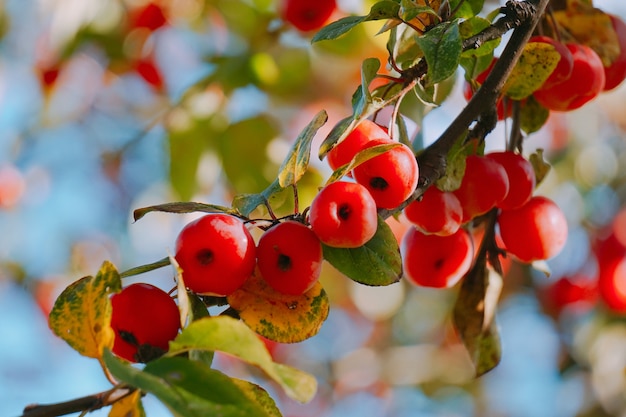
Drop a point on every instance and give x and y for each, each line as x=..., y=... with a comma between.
x=150, y=16
x=216, y=253
x=586, y=81
x=535, y=231
x=390, y=177
x=343, y=215
x=343, y=152
x=436, y=261
x=145, y=319
x=290, y=257
x=521, y=177
x=437, y=212
x=307, y=15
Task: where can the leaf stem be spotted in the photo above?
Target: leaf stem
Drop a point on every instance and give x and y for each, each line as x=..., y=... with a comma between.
x=145, y=268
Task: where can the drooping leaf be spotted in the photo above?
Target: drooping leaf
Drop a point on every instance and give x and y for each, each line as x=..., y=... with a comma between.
x=540, y=165
x=247, y=203
x=532, y=115
x=297, y=161
x=362, y=97
x=377, y=263
x=359, y=158
x=385, y=9
x=129, y=406
x=189, y=388
x=81, y=315
x=232, y=336
x=182, y=207
x=466, y=8
x=442, y=47
x=474, y=316
x=455, y=165
x=535, y=64
x=337, y=133
x=280, y=317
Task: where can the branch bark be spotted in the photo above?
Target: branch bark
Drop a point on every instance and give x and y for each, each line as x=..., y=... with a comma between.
x=83, y=404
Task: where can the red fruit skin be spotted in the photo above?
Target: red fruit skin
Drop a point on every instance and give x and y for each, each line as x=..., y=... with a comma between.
x=148, y=70
x=390, y=177
x=612, y=284
x=584, y=84
x=216, y=253
x=343, y=215
x=484, y=185
x=437, y=212
x=343, y=152
x=436, y=261
x=563, y=69
x=147, y=313
x=616, y=72
x=150, y=16
x=521, y=177
x=307, y=15
x=289, y=257
x=535, y=231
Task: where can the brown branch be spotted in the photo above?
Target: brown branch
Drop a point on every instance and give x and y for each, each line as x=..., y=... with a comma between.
x=83, y=404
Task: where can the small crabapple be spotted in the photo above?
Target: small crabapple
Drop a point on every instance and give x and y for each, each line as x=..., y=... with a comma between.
x=289, y=257
x=521, y=177
x=612, y=284
x=484, y=185
x=438, y=212
x=144, y=319
x=390, y=177
x=343, y=152
x=535, y=231
x=343, y=215
x=216, y=253
x=615, y=72
x=307, y=15
x=436, y=261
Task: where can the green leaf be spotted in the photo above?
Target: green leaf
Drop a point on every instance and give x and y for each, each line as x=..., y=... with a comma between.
x=532, y=115
x=190, y=389
x=535, y=64
x=231, y=336
x=376, y=263
x=182, y=207
x=539, y=164
x=337, y=133
x=247, y=203
x=410, y=10
x=467, y=8
x=471, y=27
x=455, y=165
x=474, y=316
x=297, y=161
x=385, y=9
x=81, y=315
x=442, y=47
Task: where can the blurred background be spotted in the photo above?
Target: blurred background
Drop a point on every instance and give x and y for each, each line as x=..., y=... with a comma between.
x=107, y=106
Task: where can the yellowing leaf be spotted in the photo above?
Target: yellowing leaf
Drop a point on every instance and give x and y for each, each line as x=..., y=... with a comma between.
x=279, y=317
x=82, y=313
x=535, y=65
x=129, y=406
x=592, y=27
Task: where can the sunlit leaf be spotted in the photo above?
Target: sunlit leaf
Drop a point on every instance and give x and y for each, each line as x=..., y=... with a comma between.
x=297, y=161
x=474, y=316
x=442, y=46
x=532, y=115
x=280, y=317
x=82, y=313
x=410, y=10
x=592, y=27
x=376, y=263
x=182, y=207
x=466, y=8
x=535, y=64
x=232, y=336
x=189, y=388
x=129, y=406
x=384, y=9
x=259, y=396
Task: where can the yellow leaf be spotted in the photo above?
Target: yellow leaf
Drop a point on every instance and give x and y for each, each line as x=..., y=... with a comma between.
x=590, y=26
x=535, y=65
x=129, y=406
x=82, y=313
x=279, y=317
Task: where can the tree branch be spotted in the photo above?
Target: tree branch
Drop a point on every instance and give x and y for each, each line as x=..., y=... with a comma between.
x=88, y=403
